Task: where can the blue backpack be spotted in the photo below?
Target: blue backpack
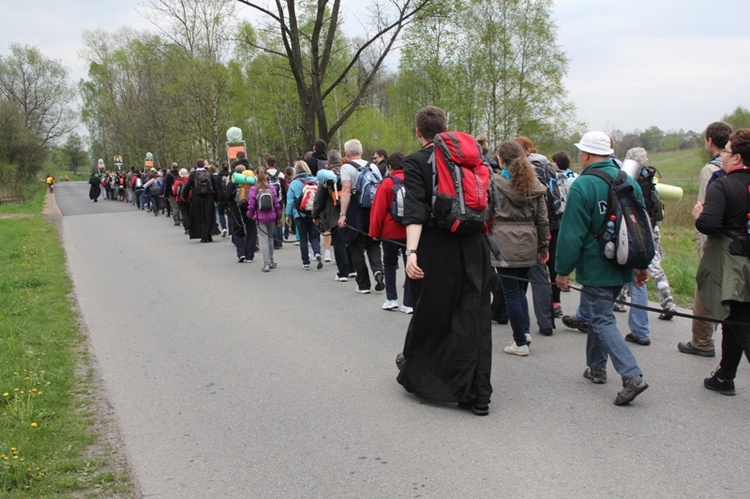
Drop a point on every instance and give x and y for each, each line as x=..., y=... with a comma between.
x=365, y=185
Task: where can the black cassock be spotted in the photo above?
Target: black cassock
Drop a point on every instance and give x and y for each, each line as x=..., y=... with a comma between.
x=448, y=346
x=96, y=190
x=202, y=209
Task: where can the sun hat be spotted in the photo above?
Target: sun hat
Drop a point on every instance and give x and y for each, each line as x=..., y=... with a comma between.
x=596, y=143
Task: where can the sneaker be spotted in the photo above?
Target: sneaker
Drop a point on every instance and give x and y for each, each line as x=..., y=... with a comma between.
x=630, y=390
x=320, y=261
x=634, y=339
x=362, y=291
x=723, y=386
x=573, y=323
x=341, y=279
x=546, y=331
x=352, y=275
x=597, y=376
x=407, y=310
x=528, y=338
x=689, y=348
x=513, y=349
x=305, y=266
x=266, y=268
x=241, y=259
x=327, y=257
x=379, y=282
x=223, y=232
x=477, y=409
x=296, y=243
x=272, y=264
x=390, y=305
x=557, y=310
x=618, y=307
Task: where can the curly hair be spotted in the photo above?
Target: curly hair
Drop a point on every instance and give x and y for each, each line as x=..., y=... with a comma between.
x=522, y=176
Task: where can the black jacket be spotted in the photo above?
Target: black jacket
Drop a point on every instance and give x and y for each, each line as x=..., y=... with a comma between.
x=312, y=161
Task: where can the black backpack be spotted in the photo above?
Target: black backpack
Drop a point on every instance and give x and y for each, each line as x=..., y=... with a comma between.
x=626, y=239
x=654, y=205
x=203, y=182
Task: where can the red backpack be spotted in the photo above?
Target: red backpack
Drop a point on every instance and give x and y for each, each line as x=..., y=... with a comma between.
x=177, y=188
x=461, y=184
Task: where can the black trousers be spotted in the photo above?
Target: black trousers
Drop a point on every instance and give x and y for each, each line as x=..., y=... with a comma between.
x=735, y=340
x=361, y=245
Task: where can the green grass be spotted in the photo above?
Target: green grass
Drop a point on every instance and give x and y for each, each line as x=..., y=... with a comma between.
x=46, y=425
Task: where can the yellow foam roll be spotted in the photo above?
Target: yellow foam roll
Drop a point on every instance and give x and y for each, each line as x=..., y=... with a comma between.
x=669, y=192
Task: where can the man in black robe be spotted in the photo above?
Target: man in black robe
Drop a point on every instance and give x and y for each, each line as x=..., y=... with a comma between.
x=447, y=354
x=96, y=187
x=202, y=210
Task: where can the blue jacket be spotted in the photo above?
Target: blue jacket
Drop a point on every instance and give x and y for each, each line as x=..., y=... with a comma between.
x=295, y=192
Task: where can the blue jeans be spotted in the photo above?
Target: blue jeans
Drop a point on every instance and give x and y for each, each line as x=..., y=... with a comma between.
x=390, y=266
x=516, y=302
x=637, y=318
x=604, y=339
x=307, y=230
x=542, y=296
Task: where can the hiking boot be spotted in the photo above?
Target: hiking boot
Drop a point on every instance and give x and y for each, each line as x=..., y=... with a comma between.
x=668, y=313
x=407, y=310
x=320, y=261
x=597, y=376
x=390, y=305
x=362, y=291
x=557, y=311
x=634, y=339
x=379, y=282
x=513, y=349
x=723, y=386
x=632, y=388
x=573, y=323
x=689, y=348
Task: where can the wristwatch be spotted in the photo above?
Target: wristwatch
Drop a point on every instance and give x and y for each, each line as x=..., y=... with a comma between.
x=410, y=252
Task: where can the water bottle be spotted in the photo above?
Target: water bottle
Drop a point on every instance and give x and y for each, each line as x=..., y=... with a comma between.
x=609, y=236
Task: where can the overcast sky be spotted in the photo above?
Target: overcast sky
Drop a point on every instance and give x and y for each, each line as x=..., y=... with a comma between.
x=669, y=63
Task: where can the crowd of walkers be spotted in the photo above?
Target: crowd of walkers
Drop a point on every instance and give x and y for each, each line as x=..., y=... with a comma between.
x=366, y=216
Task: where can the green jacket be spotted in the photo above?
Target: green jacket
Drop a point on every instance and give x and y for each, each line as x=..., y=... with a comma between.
x=584, y=216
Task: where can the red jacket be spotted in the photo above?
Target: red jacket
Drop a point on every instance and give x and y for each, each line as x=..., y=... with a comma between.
x=382, y=223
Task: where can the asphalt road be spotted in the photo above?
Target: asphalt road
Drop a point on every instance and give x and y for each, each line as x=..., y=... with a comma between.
x=229, y=382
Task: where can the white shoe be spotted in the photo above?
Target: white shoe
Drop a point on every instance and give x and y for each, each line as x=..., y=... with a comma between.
x=362, y=291
x=223, y=232
x=327, y=256
x=341, y=279
x=390, y=305
x=407, y=310
x=513, y=349
x=528, y=338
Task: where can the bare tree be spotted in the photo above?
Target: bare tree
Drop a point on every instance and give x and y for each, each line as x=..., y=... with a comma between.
x=308, y=32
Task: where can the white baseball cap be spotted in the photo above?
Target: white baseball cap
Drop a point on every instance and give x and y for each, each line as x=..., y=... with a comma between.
x=596, y=143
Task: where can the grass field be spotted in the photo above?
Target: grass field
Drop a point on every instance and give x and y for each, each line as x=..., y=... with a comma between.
x=47, y=443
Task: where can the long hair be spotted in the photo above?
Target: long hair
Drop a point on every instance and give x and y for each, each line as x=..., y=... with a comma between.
x=301, y=167
x=526, y=144
x=261, y=178
x=522, y=176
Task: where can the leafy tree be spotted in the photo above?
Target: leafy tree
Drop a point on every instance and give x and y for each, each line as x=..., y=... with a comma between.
x=39, y=87
x=739, y=118
x=21, y=156
x=74, y=153
x=650, y=138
